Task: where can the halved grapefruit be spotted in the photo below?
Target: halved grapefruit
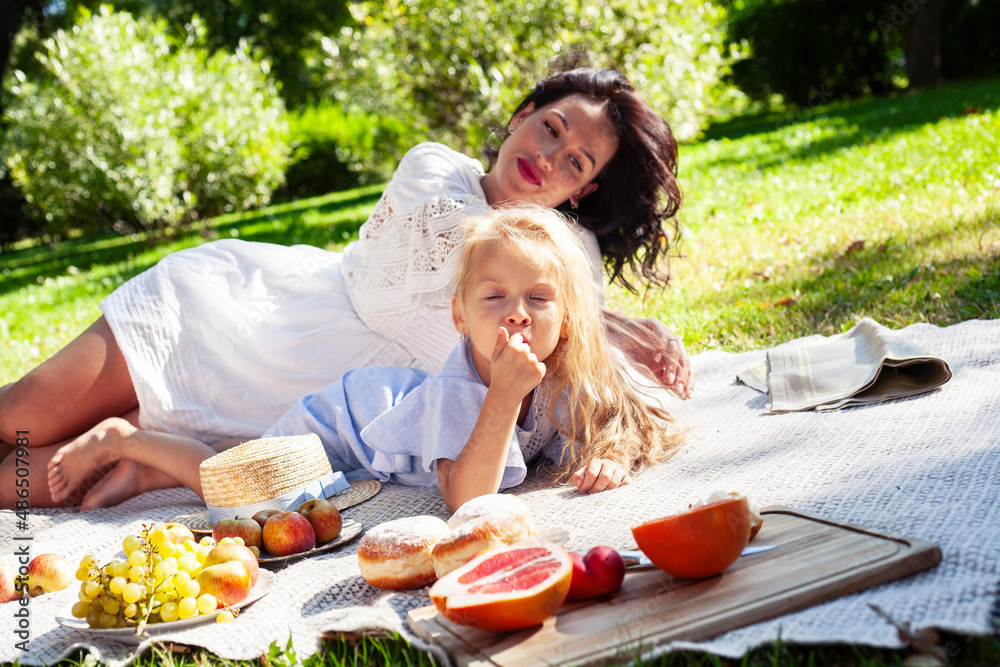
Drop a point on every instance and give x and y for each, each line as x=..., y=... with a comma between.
x=700, y=542
x=506, y=588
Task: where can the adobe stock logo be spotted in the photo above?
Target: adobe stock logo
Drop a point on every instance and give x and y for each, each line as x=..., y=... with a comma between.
x=899, y=15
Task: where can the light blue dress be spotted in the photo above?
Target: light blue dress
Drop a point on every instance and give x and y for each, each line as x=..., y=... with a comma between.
x=392, y=424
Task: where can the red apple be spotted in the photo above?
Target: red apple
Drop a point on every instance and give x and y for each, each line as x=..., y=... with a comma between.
x=8, y=583
x=287, y=533
x=229, y=582
x=599, y=572
x=49, y=572
x=324, y=517
x=262, y=516
x=224, y=553
x=248, y=529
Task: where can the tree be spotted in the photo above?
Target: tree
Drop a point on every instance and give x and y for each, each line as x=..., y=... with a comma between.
x=12, y=15
x=923, y=43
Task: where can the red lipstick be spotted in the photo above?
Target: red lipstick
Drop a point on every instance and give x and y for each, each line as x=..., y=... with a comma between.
x=529, y=172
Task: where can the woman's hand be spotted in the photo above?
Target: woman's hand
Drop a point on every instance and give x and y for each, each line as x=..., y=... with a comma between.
x=601, y=475
x=649, y=343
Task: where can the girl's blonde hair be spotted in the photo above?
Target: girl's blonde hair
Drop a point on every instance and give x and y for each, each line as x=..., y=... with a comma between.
x=603, y=411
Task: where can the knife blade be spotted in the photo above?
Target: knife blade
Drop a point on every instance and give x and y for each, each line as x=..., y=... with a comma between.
x=638, y=559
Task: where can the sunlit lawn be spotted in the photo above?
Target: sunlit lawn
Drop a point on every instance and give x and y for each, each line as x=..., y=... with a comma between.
x=794, y=224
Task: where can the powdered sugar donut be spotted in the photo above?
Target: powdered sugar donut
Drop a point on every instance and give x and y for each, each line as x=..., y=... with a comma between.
x=481, y=523
x=491, y=503
x=397, y=554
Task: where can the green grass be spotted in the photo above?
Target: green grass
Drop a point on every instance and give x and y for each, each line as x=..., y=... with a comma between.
x=794, y=224
x=884, y=208
x=395, y=652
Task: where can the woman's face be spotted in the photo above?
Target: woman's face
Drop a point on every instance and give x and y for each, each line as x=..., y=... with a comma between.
x=552, y=154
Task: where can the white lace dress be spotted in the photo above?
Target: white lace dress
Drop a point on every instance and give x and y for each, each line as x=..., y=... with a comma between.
x=222, y=339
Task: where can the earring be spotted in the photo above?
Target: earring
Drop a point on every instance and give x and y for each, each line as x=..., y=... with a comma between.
x=574, y=203
x=463, y=335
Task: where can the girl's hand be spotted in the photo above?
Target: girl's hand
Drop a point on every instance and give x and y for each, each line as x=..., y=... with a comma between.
x=514, y=368
x=601, y=475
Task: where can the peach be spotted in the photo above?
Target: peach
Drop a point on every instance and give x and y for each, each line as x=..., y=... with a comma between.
x=229, y=582
x=8, y=583
x=599, y=572
x=178, y=532
x=48, y=573
x=262, y=516
x=246, y=528
x=324, y=517
x=224, y=553
x=287, y=533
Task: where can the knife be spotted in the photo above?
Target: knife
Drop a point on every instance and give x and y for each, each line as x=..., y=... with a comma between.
x=639, y=559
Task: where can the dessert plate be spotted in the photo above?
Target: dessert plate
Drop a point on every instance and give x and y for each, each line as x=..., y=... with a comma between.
x=265, y=582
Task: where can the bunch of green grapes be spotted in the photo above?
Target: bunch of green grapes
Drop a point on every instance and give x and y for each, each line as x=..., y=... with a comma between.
x=155, y=583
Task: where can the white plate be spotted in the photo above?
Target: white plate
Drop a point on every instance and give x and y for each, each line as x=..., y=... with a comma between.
x=265, y=582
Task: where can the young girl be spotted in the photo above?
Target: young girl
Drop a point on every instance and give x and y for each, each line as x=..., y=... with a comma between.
x=533, y=377
x=220, y=340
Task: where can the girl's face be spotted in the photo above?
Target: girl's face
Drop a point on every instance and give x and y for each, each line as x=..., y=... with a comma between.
x=553, y=153
x=506, y=291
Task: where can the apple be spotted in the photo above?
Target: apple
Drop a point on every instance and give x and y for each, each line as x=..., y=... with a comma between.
x=599, y=572
x=224, y=553
x=178, y=532
x=324, y=517
x=248, y=529
x=229, y=582
x=287, y=533
x=48, y=573
x=8, y=583
x=262, y=516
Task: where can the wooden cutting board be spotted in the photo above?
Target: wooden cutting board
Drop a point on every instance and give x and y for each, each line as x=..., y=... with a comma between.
x=815, y=560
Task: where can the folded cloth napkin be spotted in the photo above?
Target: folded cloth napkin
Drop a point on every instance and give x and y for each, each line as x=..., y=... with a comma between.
x=867, y=364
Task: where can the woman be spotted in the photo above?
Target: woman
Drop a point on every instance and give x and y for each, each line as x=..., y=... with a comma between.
x=524, y=387
x=222, y=339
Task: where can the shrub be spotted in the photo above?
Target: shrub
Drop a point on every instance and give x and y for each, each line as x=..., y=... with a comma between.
x=334, y=150
x=131, y=129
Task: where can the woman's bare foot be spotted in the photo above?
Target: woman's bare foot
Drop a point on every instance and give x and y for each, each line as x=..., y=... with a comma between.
x=126, y=480
x=81, y=457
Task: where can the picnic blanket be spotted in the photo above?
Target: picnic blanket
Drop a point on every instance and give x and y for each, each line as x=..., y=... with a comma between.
x=926, y=466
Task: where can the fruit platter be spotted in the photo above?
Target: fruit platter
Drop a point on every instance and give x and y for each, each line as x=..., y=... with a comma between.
x=166, y=580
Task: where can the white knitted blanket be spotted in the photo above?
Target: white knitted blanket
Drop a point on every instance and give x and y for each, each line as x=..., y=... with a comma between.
x=926, y=467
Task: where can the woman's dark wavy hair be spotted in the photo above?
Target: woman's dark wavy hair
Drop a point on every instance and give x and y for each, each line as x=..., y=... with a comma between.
x=633, y=212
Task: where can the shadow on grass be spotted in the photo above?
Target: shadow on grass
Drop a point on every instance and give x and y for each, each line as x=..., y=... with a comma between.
x=320, y=222
x=894, y=283
x=859, y=121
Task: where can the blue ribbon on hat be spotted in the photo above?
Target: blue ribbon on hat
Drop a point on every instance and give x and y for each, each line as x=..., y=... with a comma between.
x=324, y=487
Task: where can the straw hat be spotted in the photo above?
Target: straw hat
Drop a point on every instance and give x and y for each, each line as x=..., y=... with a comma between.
x=271, y=473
